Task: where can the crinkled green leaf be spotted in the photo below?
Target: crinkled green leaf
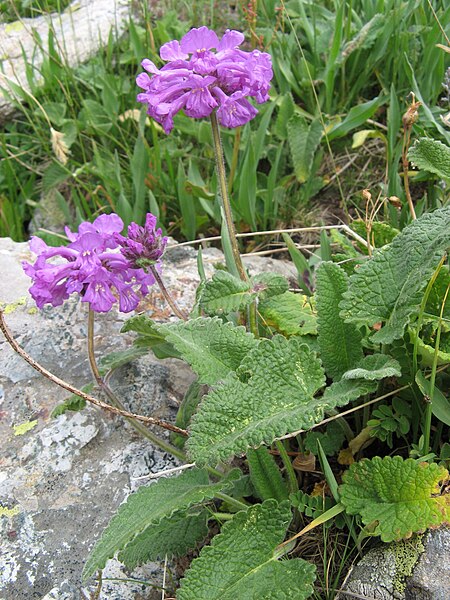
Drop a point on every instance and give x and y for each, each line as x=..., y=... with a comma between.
x=212, y=348
x=290, y=314
x=149, y=336
x=172, y=536
x=266, y=475
x=344, y=391
x=388, y=287
x=380, y=233
x=225, y=293
x=431, y=155
x=271, y=393
x=400, y=496
x=374, y=367
x=147, y=507
x=117, y=359
x=339, y=342
x=304, y=139
x=266, y=285
x=241, y=562
x=331, y=441
x=72, y=403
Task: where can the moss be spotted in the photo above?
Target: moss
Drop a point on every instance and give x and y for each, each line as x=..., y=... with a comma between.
x=406, y=554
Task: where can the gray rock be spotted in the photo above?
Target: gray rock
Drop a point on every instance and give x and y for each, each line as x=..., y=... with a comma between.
x=79, y=32
x=63, y=479
x=415, y=569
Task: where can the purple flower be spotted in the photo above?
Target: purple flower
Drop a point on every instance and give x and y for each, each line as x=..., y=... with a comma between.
x=144, y=246
x=198, y=80
x=91, y=266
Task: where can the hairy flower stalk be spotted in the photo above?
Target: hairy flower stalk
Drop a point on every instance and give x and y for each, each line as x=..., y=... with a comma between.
x=206, y=83
x=226, y=205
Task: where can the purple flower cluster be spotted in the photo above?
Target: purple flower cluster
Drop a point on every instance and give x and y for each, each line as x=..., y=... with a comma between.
x=92, y=265
x=199, y=81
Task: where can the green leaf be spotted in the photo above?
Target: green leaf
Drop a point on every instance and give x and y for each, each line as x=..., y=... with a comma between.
x=356, y=117
x=374, y=367
x=271, y=393
x=149, y=506
x=212, y=348
x=72, y=403
x=267, y=285
x=114, y=360
x=54, y=175
x=400, y=496
x=339, y=342
x=388, y=287
x=149, y=336
x=225, y=293
x=300, y=262
x=172, y=536
x=431, y=155
x=266, y=475
x=290, y=314
x=344, y=391
x=304, y=140
x=242, y=561
x=380, y=233
x=187, y=408
x=331, y=441
x=440, y=407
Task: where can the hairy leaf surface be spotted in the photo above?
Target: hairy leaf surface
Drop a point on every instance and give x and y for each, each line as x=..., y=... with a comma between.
x=303, y=139
x=267, y=285
x=431, y=155
x=149, y=336
x=290, y=314
x=225, y=293
x=374, y=367
x=172, y=536
x=339, y=342
x=212, y=348
x=389, y=286
x=344, y=391
x=271, y=393
x=148, y=506
x=241, y=562
x=266, y=475
x=400, y=496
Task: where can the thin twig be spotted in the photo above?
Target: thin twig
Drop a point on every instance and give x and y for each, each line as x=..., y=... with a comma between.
x=73, y=390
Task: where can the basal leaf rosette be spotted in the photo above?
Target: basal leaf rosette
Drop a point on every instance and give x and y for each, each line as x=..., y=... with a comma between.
x=401, y=496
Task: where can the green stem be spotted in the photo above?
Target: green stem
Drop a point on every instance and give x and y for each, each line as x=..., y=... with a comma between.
x=221, y=174
x=417, y=408
x=222, y=516
x=253, y=319
x=292, y=477
x=234, y=159
x=237, y=504
x=139, y=427
x=429, y=406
